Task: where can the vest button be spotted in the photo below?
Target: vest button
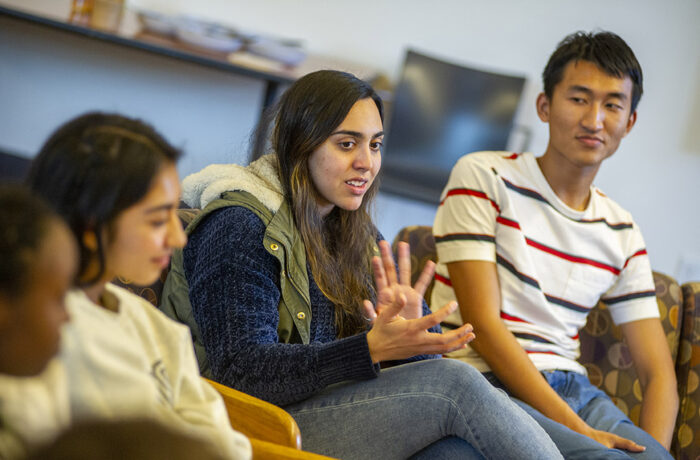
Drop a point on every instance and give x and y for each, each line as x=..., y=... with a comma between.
x=301, y=315
x=274, y=246
x=284, y=273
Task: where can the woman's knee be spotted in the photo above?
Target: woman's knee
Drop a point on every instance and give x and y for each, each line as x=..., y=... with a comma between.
x=458, y=373
x=450, y=378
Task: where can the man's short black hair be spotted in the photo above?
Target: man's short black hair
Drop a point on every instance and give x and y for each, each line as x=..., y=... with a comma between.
x=604, y=49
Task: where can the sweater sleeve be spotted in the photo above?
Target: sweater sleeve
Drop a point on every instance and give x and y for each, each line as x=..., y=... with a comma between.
x=234, y=291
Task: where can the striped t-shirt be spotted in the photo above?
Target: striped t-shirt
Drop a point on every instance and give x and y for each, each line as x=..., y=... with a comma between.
x=554, y=263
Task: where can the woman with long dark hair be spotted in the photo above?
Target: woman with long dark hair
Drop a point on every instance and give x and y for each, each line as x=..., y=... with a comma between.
x=277, y=285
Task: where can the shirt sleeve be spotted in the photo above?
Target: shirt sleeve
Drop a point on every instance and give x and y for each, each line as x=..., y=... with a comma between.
x=200, y=406
x=633, y=295
x=465, y=222
x=235, y=293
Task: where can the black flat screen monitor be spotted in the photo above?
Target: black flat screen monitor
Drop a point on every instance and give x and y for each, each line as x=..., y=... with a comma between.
x=440, y=112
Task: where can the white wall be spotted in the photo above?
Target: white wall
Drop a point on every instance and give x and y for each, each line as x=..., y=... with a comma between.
x=48, y=77
x=655, y=173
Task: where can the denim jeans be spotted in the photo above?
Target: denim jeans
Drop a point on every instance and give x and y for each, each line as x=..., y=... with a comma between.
x=417, y=406
x=598, y=411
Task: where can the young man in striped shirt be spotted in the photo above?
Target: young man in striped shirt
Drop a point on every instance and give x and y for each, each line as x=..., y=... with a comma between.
x=528, y=246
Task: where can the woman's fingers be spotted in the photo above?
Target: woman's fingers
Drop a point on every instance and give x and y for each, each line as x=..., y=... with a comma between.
x=435, y=318
x=390, y=309
x=438, y=344
x=388, y=262
x=369, y=312
x=379, y=275
x=425, y=278
x=404, y=263
x=393, y=337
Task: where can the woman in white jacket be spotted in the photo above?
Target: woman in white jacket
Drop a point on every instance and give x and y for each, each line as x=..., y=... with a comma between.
x=114, y=181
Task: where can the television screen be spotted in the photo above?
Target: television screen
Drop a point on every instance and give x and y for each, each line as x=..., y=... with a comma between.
x=441, y=111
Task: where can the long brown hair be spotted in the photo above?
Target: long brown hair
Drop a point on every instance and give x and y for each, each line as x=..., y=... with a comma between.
x=337, y=246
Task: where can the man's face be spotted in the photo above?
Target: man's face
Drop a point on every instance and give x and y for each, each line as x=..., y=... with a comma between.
x=588, y=114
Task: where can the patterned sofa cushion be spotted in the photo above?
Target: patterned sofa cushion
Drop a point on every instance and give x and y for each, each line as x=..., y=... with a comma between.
x=686, y=443
x=152, y=293
x=607, y=358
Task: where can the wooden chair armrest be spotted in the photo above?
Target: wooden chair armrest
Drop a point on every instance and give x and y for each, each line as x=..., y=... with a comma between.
x=263, y=450
x=258, y=419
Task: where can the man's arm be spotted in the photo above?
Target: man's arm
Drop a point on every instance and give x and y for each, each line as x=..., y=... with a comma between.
x=647, y=344
x=477, y=290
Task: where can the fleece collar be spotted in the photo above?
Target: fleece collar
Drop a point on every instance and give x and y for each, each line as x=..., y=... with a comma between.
x=260, y=179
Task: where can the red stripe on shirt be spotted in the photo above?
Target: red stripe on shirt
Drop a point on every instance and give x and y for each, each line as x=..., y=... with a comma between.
x=507, y=222
x=512, y=318
x=571, y=258
x=443, y=280
x=541, y=352
x=512, y=157
x=470, y=192
x=641, y=252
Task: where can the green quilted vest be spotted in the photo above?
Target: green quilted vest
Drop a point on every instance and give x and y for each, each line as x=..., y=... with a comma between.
x=283, y=241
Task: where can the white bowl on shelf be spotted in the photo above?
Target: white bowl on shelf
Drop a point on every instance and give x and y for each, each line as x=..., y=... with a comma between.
x=277, y=51
x=157, y=23
x=208, y=35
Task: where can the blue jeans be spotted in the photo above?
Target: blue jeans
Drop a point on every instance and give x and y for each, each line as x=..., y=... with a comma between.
x=425, y=404
x=598, y=411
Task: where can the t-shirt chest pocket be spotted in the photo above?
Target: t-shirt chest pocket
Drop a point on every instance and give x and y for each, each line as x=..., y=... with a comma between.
x=586, y=284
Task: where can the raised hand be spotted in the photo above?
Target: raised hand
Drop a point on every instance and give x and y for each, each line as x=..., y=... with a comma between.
x=399, y=329
x=393, y=337
x=386, y=282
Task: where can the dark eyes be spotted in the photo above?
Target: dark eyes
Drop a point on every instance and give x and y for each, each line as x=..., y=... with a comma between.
x=609, y=105
x=349, y=145
x=158, y=223
x=376, y=145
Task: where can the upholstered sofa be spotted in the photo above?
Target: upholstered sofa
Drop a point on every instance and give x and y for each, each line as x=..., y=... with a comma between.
x=606, y=357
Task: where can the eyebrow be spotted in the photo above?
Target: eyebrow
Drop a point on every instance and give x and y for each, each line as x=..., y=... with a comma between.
x=584, y=89
x=162, y=207
x=357, y=133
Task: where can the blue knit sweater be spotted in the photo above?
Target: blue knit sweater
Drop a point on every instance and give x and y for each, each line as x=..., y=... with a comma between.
x=235, y=292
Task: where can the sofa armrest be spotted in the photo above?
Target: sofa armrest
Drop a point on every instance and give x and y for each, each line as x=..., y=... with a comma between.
x=259, y=419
